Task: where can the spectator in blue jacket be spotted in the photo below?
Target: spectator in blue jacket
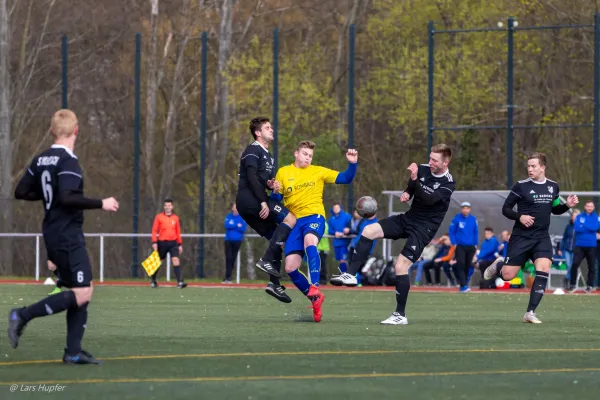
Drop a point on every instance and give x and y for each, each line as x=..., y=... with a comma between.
x=235, y=227
x=489, y=250
x=339, y=226
x=567, y=246
x=464, y=234
x=586, y=225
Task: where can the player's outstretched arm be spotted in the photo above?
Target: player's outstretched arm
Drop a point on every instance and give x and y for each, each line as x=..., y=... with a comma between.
x=26, y=188
x=348, y=175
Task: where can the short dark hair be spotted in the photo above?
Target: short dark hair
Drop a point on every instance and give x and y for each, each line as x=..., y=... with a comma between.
x=256, y=125
x=489, y=229
x=337, y=203
x=442, y=149
x=541, y=157
x=168, y=200
x=589, y=201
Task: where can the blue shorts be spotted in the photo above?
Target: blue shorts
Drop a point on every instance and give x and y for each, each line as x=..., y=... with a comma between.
x=314, y=224
x=341, y=253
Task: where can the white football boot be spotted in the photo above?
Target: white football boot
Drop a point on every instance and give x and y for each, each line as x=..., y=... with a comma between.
x=491, y=271
x=344, y=279
x=531, y=318
x=395, y=319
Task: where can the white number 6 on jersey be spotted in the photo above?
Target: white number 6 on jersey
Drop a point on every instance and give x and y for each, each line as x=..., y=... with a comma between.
x=80, y=276
x=47, y=188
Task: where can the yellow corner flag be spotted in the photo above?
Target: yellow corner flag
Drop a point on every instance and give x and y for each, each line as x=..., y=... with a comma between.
x=152, y=263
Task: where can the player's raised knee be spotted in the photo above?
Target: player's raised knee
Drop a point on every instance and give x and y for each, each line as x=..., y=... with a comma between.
x=372, y=231
x=292, y=262
x=310, y=240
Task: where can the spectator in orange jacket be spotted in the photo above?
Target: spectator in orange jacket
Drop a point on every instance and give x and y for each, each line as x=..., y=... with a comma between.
x=166, y=239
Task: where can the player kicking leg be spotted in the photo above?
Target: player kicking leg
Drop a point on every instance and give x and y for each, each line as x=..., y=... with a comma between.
x=431, y=187
x=304, y=237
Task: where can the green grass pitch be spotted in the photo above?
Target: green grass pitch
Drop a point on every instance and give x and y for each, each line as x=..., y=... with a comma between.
x=218, y=343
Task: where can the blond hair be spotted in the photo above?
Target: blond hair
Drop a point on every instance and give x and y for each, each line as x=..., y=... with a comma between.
x=63, y=123
x=305, y=144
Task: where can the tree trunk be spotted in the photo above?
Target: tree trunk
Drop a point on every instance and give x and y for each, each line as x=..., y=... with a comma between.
x=168, y=169
x=5, y=144
x=224, y=45
x=151, y=89
x=341, y=65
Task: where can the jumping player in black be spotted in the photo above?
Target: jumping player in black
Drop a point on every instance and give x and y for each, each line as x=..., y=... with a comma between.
x=55, y=178
x=430, y=186
x=268, y=217
x=536, y=199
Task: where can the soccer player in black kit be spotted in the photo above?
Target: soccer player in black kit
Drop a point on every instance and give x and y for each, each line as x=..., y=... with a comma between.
x=268, y=217
x=536, y=199
x=55, y=178
x=430, y=186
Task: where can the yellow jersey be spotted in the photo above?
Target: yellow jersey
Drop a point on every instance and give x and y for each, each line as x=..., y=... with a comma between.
x=302, y=188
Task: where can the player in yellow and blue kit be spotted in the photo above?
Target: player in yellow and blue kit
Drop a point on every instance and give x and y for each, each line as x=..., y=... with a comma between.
x=301, y=185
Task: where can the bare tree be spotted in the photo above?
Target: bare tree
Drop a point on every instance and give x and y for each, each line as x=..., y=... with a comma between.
x=5, y=136
x=152, y=87
x=225, y=31
x=341, y=64
x=168, y=170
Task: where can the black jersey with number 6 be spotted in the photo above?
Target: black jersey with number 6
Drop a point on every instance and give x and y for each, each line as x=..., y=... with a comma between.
x=54, y=171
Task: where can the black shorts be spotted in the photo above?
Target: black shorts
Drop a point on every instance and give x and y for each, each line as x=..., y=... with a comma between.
x=73, y=265
x=401, y=227
x=167, y=247
x=250, y=208
x=521, y=249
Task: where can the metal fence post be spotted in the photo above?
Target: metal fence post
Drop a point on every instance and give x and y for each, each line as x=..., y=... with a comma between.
x=509, y=103
x=430, y=70
x=351, y=61
x=200, y=265
x=136, y=154
x=37, y=257
x=596, y=97
x=101, y=258
x=275, y=121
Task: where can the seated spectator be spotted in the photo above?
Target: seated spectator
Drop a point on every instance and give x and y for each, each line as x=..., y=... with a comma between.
x=503, y=247
x=442, y=260
x=487, y=253
x=428, y=254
